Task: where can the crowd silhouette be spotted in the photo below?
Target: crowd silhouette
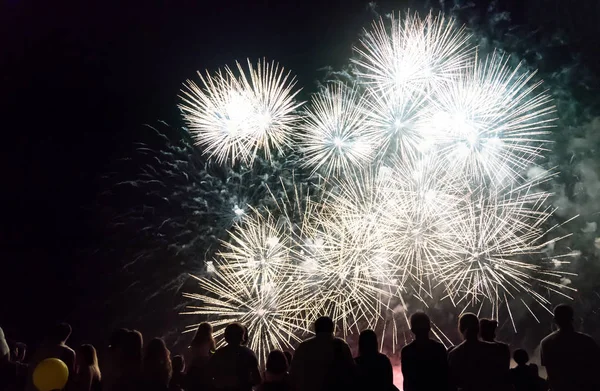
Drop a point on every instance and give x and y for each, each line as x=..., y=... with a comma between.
x=320, y=363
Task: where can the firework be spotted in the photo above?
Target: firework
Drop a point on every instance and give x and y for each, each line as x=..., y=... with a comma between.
x=414, y=54
x=337, y=137
x=421, y=194
x=233, y=117
x=490, y=123
x=502, y=242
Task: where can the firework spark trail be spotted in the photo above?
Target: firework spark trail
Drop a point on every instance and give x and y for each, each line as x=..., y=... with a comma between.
x=233, y=117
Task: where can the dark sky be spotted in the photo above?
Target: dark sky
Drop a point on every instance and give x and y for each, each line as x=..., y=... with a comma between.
x=77, y=79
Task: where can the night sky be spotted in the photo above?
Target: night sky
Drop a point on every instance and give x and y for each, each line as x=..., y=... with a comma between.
x=79, y=79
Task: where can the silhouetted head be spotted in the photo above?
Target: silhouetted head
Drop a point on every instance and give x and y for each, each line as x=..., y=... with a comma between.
x=178, y=363
x=563, y=316
x=86, y=356
x=288, y=356
x=367, y=343
x=520, y=356
x=324, y=325
x=157, y=351
x=117, y=339
x=234, y=334
x=277, y=364
x=487, y=329
x=468, y=325
x=420, y=325
x=204, y=337
x=133, y=345
x=60, y=333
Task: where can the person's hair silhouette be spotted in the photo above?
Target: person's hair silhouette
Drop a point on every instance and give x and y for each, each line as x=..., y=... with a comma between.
x=277, y=362
x=564, y=316
x=324, y=325
x=234, y=334
x=520, y=356
x=468, y=325
x=367, y=343
x=487, y=329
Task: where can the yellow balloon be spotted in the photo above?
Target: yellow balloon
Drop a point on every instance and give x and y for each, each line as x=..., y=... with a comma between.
x=50, y=374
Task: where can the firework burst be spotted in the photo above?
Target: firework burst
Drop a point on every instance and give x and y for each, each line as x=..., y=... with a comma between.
x=337, y=137
x=412, y=54
x=233, y=117
x=490, y=122
x=421, y=193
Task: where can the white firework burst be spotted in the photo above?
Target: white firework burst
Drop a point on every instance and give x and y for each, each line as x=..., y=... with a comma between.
x=336, y=134
x=272, y=314
x=394, y=120
x=413, y=54
x=501, y=237
x=258, y=251
x=490, y=122
x=233, y=117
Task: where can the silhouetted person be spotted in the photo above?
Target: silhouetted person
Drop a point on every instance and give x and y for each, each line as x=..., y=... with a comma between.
x=470, y=364
x=323, y=362
x=424, y=361
x=540, y=384
x=276, y=373
x=88, y=376
x=572, y=359
x=113, y=368
x=234, y=367
x=201, y=349
x=54, y=346
x=157, y=369
x=521, y=376
x=178, y=378
x=373, y=369
x=125, y=361
x=487, y=331
x=133, y=350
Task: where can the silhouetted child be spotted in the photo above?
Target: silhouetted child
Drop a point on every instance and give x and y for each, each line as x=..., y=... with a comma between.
x=424, y=361
x=276, y=374
x=521, y=376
